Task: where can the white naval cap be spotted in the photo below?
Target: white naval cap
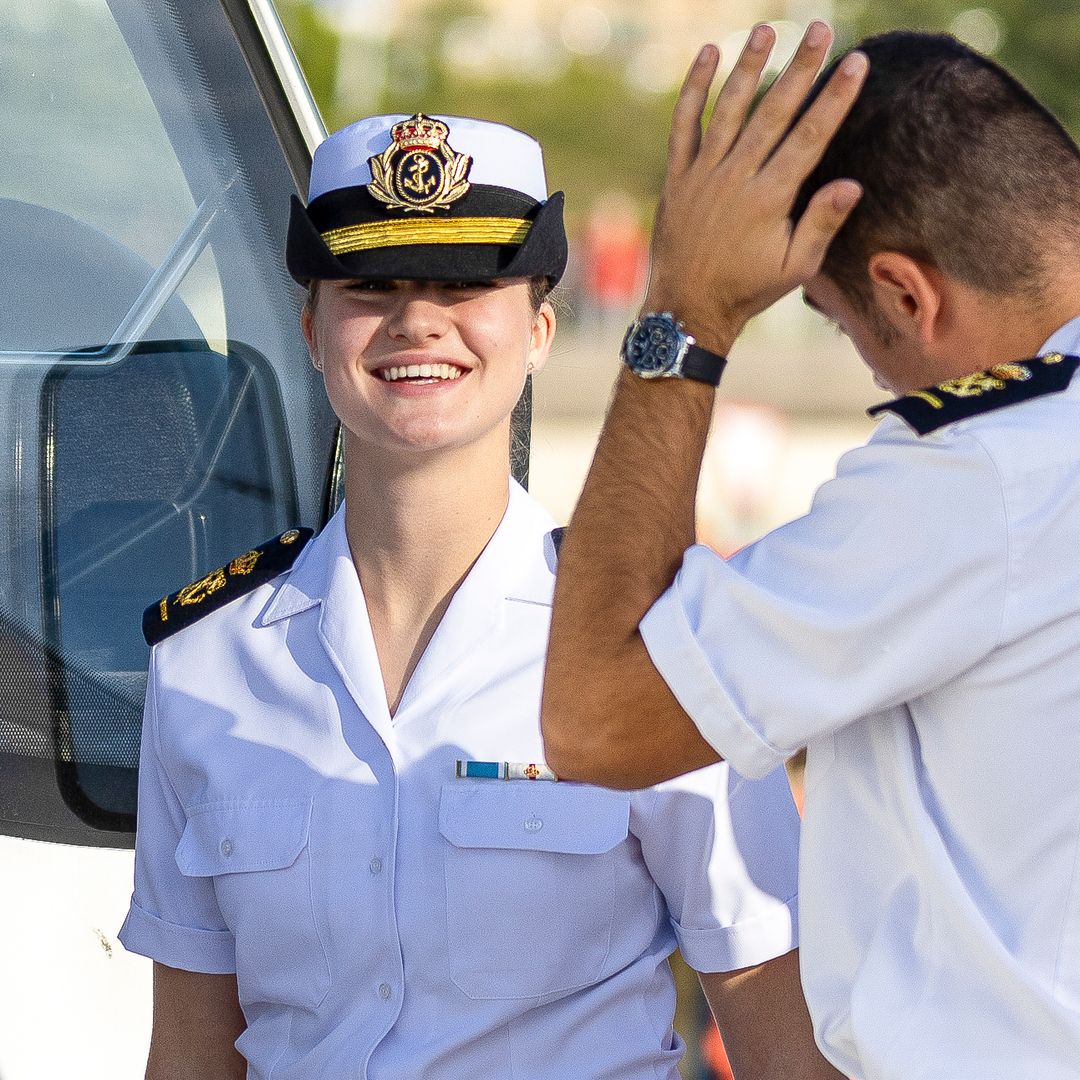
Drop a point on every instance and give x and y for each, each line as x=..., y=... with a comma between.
x=427, y=197
x=501, y=156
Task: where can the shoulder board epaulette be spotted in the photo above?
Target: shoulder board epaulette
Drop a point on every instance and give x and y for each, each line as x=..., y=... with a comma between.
x=557, y=537
x=1005, y=384
x=223, y=585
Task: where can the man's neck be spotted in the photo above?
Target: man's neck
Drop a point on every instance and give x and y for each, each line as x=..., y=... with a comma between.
x=994, y=330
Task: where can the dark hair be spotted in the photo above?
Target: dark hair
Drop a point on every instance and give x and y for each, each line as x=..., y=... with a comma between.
x=961, y=167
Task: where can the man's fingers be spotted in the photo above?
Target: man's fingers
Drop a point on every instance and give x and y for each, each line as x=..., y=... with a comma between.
x=733, y=101
x=801, y=150
x=780, y=104
x=685, y=138
x=814, y=231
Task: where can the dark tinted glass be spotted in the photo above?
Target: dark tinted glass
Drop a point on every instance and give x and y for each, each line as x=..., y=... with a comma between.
x=158, y=415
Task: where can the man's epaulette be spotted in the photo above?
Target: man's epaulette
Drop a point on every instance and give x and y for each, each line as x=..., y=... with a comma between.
x=223, y=585
x=1005, y=384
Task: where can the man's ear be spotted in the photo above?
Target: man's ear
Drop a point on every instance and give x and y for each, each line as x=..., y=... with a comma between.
x=910, y=294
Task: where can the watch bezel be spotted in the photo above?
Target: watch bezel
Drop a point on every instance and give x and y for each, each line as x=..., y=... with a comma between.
x=636, y=345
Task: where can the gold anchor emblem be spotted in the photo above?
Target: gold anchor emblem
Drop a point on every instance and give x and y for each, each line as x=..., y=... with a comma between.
x=199, y=590
x=419, y=170
x=418, y=180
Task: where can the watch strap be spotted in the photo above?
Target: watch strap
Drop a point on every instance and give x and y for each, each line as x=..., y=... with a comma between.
x=702, y=365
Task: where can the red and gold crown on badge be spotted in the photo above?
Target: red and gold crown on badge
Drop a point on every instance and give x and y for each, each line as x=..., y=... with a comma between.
x=419, y=170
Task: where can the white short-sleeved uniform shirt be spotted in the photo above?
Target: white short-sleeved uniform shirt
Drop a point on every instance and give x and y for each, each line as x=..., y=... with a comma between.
x=919, y=632
x=385, y=919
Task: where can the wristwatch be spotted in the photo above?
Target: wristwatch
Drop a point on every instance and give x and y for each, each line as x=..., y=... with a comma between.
x=657, y=347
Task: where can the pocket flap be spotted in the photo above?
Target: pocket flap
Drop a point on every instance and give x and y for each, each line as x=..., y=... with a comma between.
x=533, y=816
x=242, y=839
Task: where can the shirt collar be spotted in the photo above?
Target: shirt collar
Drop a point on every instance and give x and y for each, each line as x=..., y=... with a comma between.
x=1065, y=339
x=520, y=544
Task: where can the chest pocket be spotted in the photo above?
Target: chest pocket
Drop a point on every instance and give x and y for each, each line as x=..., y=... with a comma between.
x=257, y=855
x=530, y=884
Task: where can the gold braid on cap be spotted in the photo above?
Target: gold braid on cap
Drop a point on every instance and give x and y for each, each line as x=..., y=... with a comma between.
x=401, y=233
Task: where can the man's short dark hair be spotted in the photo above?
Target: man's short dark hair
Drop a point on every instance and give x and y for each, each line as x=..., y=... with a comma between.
x=961, y=166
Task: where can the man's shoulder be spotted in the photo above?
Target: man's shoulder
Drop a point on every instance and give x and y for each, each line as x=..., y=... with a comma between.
x=932, y=408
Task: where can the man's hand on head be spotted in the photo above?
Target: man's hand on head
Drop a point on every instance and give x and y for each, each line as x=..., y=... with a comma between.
x=724, y=247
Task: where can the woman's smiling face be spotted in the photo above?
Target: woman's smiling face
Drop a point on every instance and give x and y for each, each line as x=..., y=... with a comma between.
x=420, y=366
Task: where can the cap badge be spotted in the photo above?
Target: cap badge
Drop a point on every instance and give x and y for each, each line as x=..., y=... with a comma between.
x=419, y=170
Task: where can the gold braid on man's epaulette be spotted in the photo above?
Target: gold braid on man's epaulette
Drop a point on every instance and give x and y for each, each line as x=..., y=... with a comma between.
x=223, y=585
x=933, y=407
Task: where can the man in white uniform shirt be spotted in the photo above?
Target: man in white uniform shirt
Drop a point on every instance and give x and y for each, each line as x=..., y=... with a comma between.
x=918, y=631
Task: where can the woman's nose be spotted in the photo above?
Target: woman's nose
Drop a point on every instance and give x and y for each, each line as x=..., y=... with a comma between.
x=417, y=317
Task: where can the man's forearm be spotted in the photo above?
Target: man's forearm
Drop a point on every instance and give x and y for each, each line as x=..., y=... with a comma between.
x=635, y=518
x=724, y=248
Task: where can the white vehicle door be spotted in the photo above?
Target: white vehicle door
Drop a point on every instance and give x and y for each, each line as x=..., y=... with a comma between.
x=158, y=416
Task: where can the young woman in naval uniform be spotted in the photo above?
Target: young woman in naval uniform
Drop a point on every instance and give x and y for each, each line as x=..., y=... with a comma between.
x=351, y=860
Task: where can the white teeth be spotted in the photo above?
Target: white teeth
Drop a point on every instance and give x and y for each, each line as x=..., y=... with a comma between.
x=421, y=371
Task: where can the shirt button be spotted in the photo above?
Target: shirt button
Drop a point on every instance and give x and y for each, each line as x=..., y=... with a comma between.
x=533, y=824
x=385, y=991
x=375, y=866
x=225, y=847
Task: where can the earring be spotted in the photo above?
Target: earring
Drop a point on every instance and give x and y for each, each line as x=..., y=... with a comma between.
x=529, y=368
x=316, y=364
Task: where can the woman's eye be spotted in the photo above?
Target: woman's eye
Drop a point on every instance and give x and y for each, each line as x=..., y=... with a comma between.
x=470, y=285
x=370, y=285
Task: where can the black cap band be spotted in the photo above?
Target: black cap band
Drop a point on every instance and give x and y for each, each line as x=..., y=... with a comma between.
x=490, y=232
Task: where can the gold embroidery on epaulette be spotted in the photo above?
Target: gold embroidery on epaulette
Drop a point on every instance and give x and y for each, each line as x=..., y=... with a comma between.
x=290, y=537
x=1053, y=358
x=1011, y=372
x=163, y=609
x=244, y=564
x=929, y=398
x=976, y=385
x=199, y=590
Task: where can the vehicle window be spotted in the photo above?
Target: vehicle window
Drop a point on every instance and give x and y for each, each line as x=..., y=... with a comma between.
x=158, y=415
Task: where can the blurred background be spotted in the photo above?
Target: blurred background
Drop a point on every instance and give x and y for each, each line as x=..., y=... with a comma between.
x=595, y=81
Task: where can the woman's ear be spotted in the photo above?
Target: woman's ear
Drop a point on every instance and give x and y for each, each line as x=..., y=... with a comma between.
x=307, y=325
x=909, y=294
x=543, y=332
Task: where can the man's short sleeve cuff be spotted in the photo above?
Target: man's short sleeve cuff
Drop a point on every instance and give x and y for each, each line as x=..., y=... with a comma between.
x=188, y=948
x=728, y=948
x=678, y=658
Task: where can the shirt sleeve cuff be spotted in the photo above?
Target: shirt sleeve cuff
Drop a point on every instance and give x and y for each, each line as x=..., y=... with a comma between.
x=186, y=947
x=678, y=658
x=728, y=948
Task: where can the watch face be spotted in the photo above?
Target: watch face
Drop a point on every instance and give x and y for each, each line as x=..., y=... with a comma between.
x=653, y=346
